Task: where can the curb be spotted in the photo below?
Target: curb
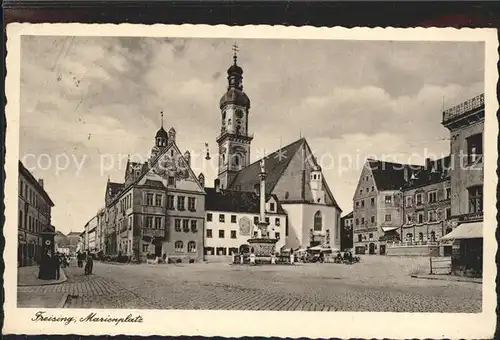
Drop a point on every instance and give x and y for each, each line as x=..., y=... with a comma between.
x=63, y=301
x=452, y=279
x=62, y=279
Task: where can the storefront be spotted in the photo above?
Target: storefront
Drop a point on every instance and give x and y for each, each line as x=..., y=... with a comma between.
x=467, y=249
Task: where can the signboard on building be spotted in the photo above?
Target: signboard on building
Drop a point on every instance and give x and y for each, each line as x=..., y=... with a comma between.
x=478, y=216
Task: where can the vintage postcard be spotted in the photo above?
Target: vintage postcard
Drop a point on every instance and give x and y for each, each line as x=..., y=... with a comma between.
x=250, y=181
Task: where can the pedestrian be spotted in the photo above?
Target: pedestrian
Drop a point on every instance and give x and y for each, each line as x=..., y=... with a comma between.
x=79, y=257
x=56, y=260
x=89, y=265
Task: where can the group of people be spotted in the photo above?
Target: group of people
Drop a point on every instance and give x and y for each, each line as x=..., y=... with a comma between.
x=347, y=258
x=50, y=265
x=89, y=261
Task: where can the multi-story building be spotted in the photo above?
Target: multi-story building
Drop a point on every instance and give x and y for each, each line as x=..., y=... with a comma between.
x=346, y=233
x=232, y=218
x=100, y=237
x=426, y=209
x=143, y=212
x=74, y=238
x=466, y=125
x=34, y=219
x=377, y=204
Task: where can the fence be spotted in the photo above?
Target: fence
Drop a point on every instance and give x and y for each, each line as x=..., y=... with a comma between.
x=440, y=265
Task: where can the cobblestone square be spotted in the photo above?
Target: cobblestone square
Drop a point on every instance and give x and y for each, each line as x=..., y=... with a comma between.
x=375, y=284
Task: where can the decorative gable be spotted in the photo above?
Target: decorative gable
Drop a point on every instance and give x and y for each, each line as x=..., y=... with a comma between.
x=366, y=182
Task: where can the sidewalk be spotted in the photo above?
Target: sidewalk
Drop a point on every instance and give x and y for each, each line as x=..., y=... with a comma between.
x=28, y=276
x=448, y=278
x=41, y=300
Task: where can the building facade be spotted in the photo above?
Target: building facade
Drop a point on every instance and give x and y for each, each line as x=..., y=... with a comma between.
x=34, y=218
x=346, y=233
x=159, y=209
x=232, y=218
x=466, y=125
x=74, y=238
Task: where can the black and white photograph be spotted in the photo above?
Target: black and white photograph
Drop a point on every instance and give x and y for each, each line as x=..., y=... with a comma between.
x=229, y=173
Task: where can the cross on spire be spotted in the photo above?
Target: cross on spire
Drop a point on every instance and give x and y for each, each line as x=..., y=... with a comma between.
x=161, y=114
x=235, y=52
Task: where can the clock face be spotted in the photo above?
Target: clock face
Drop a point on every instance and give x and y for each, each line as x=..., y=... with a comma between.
x=239, y=113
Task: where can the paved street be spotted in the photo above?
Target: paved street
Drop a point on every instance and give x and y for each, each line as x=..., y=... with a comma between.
x=376, y=284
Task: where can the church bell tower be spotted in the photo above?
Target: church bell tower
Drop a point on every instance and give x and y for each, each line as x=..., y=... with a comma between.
x=234, y=139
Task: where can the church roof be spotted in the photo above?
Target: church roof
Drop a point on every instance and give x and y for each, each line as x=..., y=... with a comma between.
x=389, y=175
x=236, y=201
x=275, y=164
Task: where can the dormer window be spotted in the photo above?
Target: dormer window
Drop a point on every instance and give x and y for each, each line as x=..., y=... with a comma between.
x=271, y=206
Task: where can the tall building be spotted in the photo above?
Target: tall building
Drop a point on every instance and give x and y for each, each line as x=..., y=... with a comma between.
x=293, y=174
x=159, y=209
x=34, y=219
x=466, y=125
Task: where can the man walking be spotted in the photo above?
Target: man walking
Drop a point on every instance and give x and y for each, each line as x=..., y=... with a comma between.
x=57, y=264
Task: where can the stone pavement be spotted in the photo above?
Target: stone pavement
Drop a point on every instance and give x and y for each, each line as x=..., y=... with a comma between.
x=448, y=278
x=28, y=276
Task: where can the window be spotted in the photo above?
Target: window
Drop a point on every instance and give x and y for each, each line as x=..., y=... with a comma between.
x=388, y=217
x=448, y=193
x=209, y=233
x=191, y=204
x=20, y=219
x=233, y=233
x=194, y=226
x=145, y=248
x=373, y=188
x=149, y=222
x=191, y=247
x=420, y=237
x=357, y=221
x=149, y=199
x=409, y=201
x=221, y=233
x=433, y=236
x=362, y=220
x=158, y=222
x=177, y=224
x=361, y=192
x=277, y=221
x=179, y=246
x=420, y=218
x=180, y=202
x=357, y=204
x=271, y=207
x=448, y=213
x=318, y=221
x=255, y=219
x=475, y=199
x=432, y=216
x=372, y=201
x=432, y=197
x=185, y=226
x=209, y=217
x=362, y=203
x=419, y=199
x=372, y=219
x=408, y=219
x=360, y=238
x=130, y=223
x=475, y=148
x=222, y=218
x=277, y=235
x=170, y=202
x=171, y=181
x=388, y=199
x=409, y=237
x=158, y=200
x=267, y=220
x=233, y=218
x=370, y=236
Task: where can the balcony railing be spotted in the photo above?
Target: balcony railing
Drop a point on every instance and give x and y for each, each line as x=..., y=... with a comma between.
x=464, y=107
x=412, y=243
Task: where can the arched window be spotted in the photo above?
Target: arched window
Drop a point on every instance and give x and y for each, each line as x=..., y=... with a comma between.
x=179, y=246
x=318, y=221
x=236, y=160
x=191, y=247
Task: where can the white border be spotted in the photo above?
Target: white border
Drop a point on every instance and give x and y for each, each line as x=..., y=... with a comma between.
x=232, y=323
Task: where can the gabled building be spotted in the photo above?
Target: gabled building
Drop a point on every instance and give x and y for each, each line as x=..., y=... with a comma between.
x=159, y=209
x=232, y=218
x=293, y=174
x=377, y=205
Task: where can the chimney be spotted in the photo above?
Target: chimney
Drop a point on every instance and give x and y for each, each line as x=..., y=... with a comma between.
x=217, y=185
x=40, y=181
x=201, y=179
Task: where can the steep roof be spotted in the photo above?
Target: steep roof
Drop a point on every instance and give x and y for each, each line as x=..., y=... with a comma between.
x=389, y=175
x=434, y=172
x=115, y=187
x=236, y=201
x=35, y=183
x=349, y=215
x=275, y=165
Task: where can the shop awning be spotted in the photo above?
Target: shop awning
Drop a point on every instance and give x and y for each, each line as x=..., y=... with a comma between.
x=465, y=231
x=387, y=229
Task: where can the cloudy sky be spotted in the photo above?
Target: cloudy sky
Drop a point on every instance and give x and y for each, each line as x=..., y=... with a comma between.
x=87, y=102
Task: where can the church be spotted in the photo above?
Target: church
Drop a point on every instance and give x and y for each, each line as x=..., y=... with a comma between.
x=294, y=176
x=163, y=209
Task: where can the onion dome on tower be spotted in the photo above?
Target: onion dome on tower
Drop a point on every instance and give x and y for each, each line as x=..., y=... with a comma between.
x=235, y=94
x=161, y=137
